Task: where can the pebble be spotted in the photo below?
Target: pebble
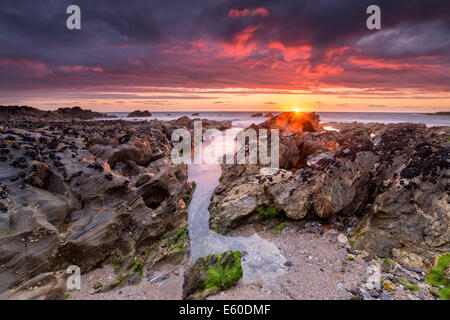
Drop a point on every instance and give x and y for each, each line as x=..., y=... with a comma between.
x=388, y=285
x=134, y=279
x=160, y=278
x=340, y=287
x=342, y=238
x=374, y=293
x=363, y=293
x=288, y=263
x=414, y=270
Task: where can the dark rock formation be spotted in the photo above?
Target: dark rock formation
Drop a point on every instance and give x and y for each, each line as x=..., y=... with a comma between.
x=88, y=192
x=397, y=177
x=24, y=113
x=139, y=114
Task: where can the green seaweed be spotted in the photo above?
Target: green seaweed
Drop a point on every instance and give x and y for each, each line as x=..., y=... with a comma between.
x=279, y=228
x=388, y=262
x=412, y=287
x=187, y=199
x=220, y=276
x=437, y=277
x=98, y=285
x=402, y=280
x=445, y=293
x=117, y=281
x=267, y=213
x=218, y=230
x=116, y=264
x=178, y=239
x=138, y=267
x=146, y=254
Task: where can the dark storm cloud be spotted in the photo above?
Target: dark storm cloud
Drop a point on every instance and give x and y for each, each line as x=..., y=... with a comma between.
x=142, y=42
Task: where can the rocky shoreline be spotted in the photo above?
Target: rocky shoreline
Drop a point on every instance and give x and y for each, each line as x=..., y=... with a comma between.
x=104, y=195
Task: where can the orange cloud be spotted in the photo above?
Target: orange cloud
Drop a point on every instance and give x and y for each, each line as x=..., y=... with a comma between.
x=79, y=68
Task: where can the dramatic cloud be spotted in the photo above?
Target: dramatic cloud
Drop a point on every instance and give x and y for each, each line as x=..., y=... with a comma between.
x=276, y=45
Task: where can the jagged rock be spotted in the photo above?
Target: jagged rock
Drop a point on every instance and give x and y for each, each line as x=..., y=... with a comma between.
x=396, y=176
x=238, y=200
x=40, y=176
x=70, y=195
x=137, y=150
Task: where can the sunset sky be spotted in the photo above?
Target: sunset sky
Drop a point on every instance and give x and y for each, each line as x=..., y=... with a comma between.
x=226, y=55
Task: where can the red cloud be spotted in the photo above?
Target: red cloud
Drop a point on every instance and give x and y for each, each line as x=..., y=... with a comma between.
x=261, y=11
x=234, y=13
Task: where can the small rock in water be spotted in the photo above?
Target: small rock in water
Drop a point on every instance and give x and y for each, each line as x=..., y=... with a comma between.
x=381, y=255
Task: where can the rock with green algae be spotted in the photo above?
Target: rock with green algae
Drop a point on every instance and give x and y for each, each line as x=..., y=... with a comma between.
x=439, y=276
x=212, y=274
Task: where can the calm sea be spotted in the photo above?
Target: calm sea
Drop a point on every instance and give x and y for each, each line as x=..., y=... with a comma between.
x=244, y=119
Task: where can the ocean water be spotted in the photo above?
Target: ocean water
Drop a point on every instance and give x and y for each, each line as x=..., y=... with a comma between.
x=244, y=119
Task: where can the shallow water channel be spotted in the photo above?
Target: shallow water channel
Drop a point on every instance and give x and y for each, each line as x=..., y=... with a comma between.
x=261, y=258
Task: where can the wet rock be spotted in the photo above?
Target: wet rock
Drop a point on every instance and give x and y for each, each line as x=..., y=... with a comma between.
x=46, y=286
x=73, y=207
